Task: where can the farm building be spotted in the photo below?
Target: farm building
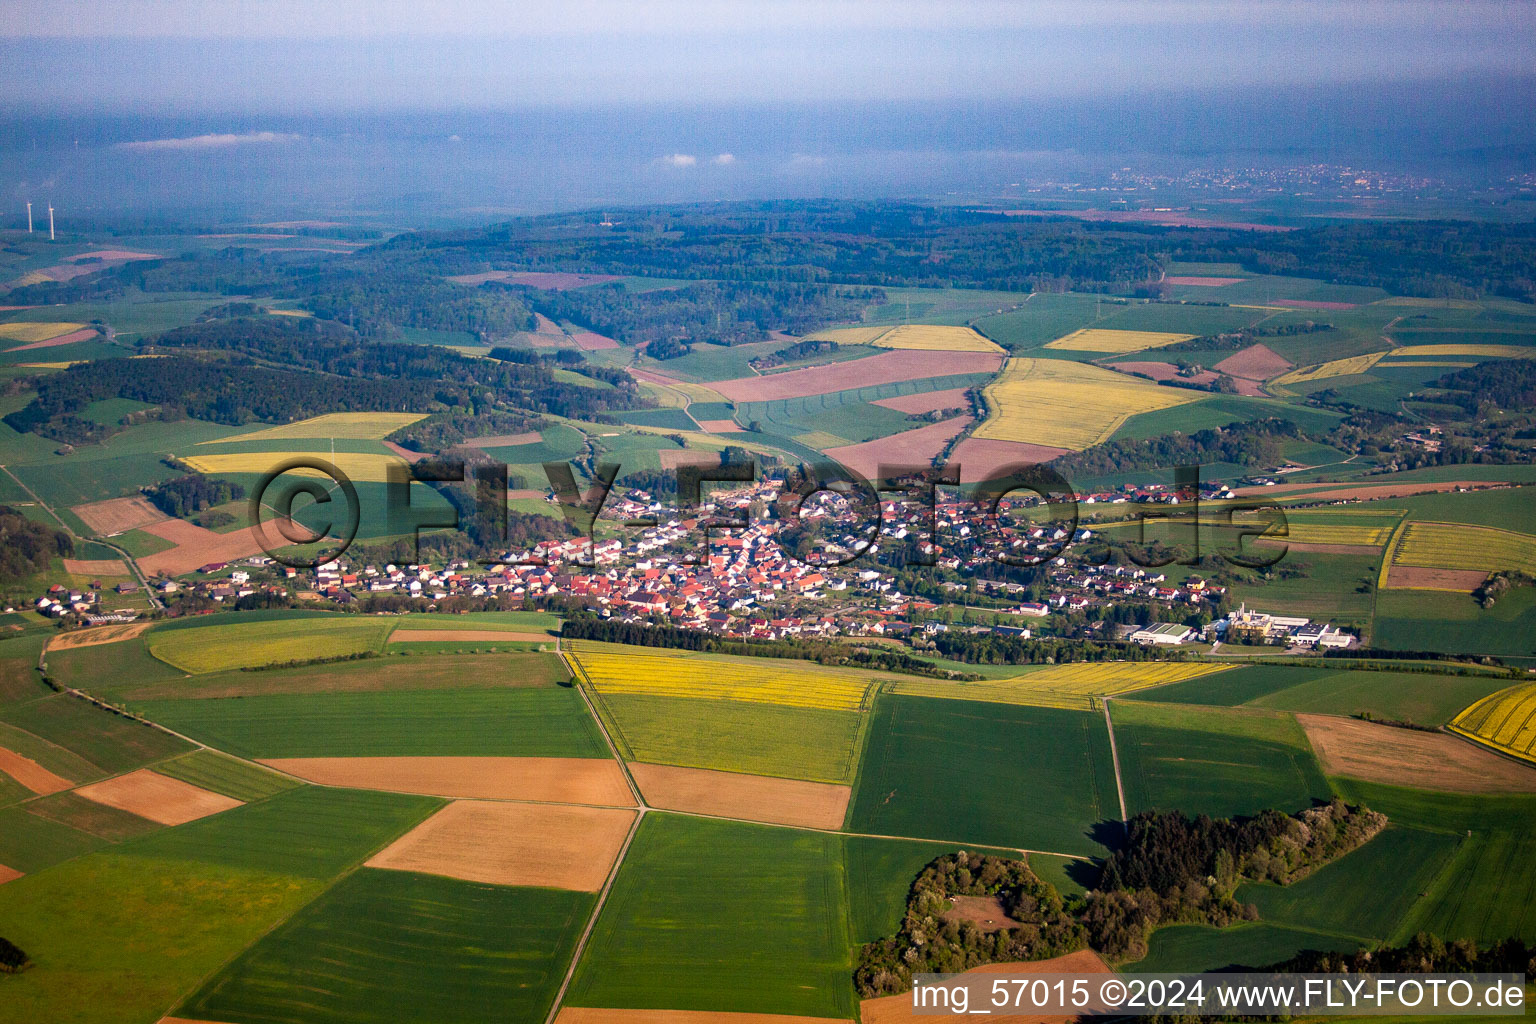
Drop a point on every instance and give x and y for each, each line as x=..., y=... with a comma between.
x=1163, y=633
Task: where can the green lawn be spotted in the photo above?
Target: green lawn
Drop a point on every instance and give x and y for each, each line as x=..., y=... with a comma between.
x=391, y=947
x=717, y=915
x=117, y=939
x=490, y=723
x=1001, y=775
x=758, y=739
x=1213, y=761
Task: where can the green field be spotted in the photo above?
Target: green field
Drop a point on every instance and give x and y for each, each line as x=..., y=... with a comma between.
x=120, y=938
x=879, y=879
x=1200, y=947
x=1218, y=411
x=489, y=723
x=1048, y=775
x=223, y=774
x=99, y=820
x=309, y=832
x=1213, y=761
x=716, y=915
x=1420, y=620
x=30, y=843
x=816, y=744
x=253, y=644
x=380, y=945
x=110, y=742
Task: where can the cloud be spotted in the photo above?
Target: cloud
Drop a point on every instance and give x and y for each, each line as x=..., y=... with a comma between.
x=806, y=161
x=219, y=141
x=679, y=160
x=724, y=159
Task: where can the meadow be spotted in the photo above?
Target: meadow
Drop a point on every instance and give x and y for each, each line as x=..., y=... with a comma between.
x=1049, y=780
x=376, y=947
x=1213, y=761
x=512, y=722
x=236, y=645
x=814, y=744
x=718, y=915
x=1065, y=404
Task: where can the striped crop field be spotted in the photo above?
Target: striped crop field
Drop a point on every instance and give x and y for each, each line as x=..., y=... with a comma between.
x=1505, y=720
x=1100, y=339
x=1334, y=368
x=1065, y=404
x=359, y=466
x=1459, y=546
x=1062, y=686
x=1487, y=351
x=932, y=338
x=237, y=645
x=39, y=331
x=849, y=335
x=1337, y=533
x=614, y=671
x=359, y=425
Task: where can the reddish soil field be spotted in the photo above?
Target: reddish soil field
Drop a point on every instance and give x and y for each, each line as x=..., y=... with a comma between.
x=732, y=795
x=118, y=515
x=590, y=1015
x=1464, y=580
x=1307, y=304
x=514, y=844
x=1202, y=282
x=885, y=368
x=1164, y=371
x=927, y=401
x=31, y=774
x=898, y=1009
x=478, y=279
x=985, y=912
x=591, y=341
x=1410, y=757
x=671, y=458
x=84, y=334
x=908, y=448
x=1364, y=492
x=119, y=255
x=1256, y=362
x=197, y=547
x=404, y=453
x=504, y=440
x=95, y=567
x=159, y=798
x=9, y=309
x=979, y=457
x=719, y=426
x=1164, y=218
x=556, y=281
x=570, y=780
x=9, y=874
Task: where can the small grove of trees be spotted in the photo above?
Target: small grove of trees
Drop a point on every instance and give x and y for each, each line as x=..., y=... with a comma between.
x=931, y=942
x=12, y=959
x=186, y=495
x=1422, y=954
x=26, y=548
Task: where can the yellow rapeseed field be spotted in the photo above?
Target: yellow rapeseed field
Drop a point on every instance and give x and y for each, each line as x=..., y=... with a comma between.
x=1066, y=404
x=1505, y=720
x=1328, y=533
x=1333, y=368
x=932, y=338
x=849, y=335
x=41, y=331
x=637, y=670
x=1101, y=339
x=1062, y=686
x=359, y=466
x=358, y=425
x=1459, y=546
x=1491, y=351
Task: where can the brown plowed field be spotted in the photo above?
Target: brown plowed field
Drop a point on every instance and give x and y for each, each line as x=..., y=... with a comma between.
x=591, y=341
x=979, y=457
x=196, y=547
x=159, y=798
x=404, y=453
x=927, y=401
x=908, y=448
x=731, y=795
x=31, y=774
x=1202, y=282
x=504, y=440
x=1424, y=578
x=671, y=458
x=589, y=1015
x=569, y=780
x=1409, y=757
x=985, y=912
x=1256, y=362
x=514, y=844
x=885, y=368
x=1163, y=371
x=117, y=515
x=97, y=635
x=898, y=1009
x=95, y=567
x=427, y=636
x=84, y=334
x=1364, y=492
x=9, y=874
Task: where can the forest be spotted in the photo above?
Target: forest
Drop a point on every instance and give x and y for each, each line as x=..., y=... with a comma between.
x=27, y=548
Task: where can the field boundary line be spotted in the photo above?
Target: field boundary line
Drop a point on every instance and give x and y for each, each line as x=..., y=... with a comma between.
x=1114, y=756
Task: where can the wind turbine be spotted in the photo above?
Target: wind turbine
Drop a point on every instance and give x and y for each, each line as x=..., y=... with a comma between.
x=29, y=218
x=50, y=222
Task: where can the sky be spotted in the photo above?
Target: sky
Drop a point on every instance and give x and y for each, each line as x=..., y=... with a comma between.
x=180, y=56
